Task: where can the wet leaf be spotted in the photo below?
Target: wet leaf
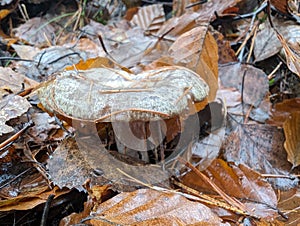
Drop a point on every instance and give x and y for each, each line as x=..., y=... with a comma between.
x=289, y=204
x=232, y=76
x=76, y=160
x=281, y=111
x=268, y=43
x=13, y=82
x=292, y=139
x=36, y=31
x=11, y=106
x=260, y=147
x=30, y=198
x=43, y=126
x=225, y=52
x=148, y=207
x=197, y=50
x=240, y=182
x=150, y=18
x=50, y=60
x=104, y=94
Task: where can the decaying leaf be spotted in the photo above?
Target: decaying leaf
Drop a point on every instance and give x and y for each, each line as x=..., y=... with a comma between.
x=289, y=204
x=176, y=26
x=11, y=106
x=28, y=199
x=77, y=160
x=292, y=139
x=50, y=60
x=104, y=94
x=150, y=18
x=231, y=75
x=146, y=207
x=35, y=31
x=282, y=111
x=240, y=182
x=12, y=82
x=261, y=148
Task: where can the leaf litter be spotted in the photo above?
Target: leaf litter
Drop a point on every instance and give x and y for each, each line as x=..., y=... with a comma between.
x=258, y=157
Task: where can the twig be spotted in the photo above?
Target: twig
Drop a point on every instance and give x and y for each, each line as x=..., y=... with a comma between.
x=14, y=137
x=270, y=76
x=46, y=210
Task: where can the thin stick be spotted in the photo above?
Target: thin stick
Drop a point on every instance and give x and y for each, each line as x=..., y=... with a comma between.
x=270, y=76
x=14, y=137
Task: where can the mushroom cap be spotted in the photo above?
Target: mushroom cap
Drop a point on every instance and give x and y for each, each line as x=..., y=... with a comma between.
x=108, y=95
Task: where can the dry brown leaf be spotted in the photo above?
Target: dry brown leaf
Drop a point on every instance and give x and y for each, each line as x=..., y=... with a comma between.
x=4, y=13
x=261, y=148
x=198, y=51
x=176, y=26
x=292, y=55
x=289, y=204
x=282, y=111
x=148, y=207
x=291, y=129
x=150, y=18
x=225, y=52
x=205, y=10
x=280, y=5
x=30, y=198
x=240, y=182
x=208, y=10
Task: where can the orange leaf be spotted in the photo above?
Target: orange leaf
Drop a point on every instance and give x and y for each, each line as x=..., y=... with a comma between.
x=292, y=143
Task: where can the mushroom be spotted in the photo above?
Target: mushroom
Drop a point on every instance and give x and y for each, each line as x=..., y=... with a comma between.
x=160, y=98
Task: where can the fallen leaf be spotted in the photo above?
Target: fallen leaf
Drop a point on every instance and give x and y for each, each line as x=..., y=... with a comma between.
x=281, y=111
x=36, y=31
x=76, y=160
x=291, y=129
x=11, y=106
x=225, y=52
x=267, y=44
x=49, y=61
x=198, y=51
x=239, y=182
x=43, y=126
x=150, y=18
x=13, y=82
x=4, y=13
x=25, y=51
x=177, y=26
x=148, y=207
x=231, y=75
x=92, y=63
x=30, y=198
x=260, y=147
x=289, y=203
